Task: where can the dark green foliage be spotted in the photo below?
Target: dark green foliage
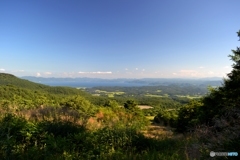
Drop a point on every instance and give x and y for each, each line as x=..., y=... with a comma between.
x=22, y=139
x=11, y=127
x=83, y=106
x=225, y=98
x=111, y=104
x=130, y=105
x=60, y=128
x=188, y=116
x=167, y=118
x=217, y=103
x=216, y=118
x=98, y=100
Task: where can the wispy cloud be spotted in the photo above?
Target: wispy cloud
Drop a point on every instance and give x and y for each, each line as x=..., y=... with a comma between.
x=1, y=69
x=38, y=74
x=16, y=71
x=136, y=68
x=95, y=72
x=226, y=67
x=186, y=73
x=48, y=73
x=126, y=69
x=174, y=73
x=211, y=72
x=201, y=67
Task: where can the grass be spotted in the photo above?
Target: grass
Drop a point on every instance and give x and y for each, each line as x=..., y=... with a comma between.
x=155, y=95
x=83, y=88
x=144, y=107
x=109, y=94
x=189, y=97
x=96, y=94
x=150, y=117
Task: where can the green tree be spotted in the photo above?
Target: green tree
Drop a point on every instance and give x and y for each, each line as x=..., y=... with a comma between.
x=224, y=99
x=83, y=106
x=130, y=105
x=111, y=104
x=188, y=116
x=220, y=113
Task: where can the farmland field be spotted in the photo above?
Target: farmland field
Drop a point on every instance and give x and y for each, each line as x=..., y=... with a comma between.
x=109, y=94
x=190, y=97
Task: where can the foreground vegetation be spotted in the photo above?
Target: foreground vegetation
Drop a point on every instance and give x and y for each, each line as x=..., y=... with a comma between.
x=42, y=122
x=68, y=133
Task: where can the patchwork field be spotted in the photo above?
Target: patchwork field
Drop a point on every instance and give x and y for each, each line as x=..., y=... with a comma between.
x=144, y=107
x=155, y=95
x=190, y=97
x=109, y=94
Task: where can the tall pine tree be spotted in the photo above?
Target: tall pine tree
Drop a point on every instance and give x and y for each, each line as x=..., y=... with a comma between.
x=220, y=113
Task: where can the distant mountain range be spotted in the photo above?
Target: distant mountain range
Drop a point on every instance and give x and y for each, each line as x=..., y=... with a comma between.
x=212, y=81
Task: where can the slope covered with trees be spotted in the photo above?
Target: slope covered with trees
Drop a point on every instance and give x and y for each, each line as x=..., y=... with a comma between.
x=43, y=122
x=13, y=81
x=9, y=79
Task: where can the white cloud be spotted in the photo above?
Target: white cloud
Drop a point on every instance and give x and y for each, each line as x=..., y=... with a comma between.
x=48, y=73
x=174, y=73
x=187, y=71
x=201, y=67
x=191, y=73
x=143, y=70
x=38, y=74
x=126, y=69
x=136, y=68
x=95, y=72
x=1, y=69
x=226, y=67
x=210, y=72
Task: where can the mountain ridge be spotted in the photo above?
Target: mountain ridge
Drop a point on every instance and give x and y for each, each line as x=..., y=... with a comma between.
x=7, y=79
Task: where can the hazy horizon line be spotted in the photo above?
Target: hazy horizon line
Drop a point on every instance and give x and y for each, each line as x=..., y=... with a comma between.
x=130, y=78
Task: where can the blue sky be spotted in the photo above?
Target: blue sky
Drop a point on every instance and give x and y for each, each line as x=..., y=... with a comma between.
x=118, y=38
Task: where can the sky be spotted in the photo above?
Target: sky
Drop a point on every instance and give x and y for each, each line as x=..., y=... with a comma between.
x=118, y=38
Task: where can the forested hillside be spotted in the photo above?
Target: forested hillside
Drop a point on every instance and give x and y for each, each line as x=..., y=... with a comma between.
x=61, y=122
x=9, y=79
